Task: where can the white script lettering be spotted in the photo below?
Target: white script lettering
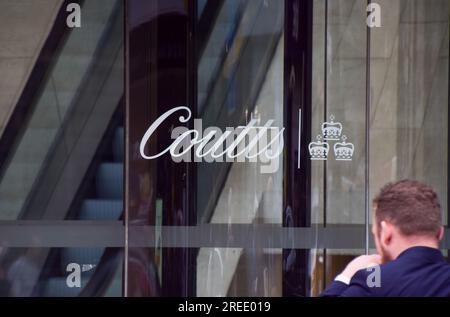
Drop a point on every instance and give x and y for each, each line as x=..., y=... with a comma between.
x=243, y=143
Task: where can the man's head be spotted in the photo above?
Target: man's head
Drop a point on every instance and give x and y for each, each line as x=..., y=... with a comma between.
x=406, y=213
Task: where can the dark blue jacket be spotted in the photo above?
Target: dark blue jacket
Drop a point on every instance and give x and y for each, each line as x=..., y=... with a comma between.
x=417, y=271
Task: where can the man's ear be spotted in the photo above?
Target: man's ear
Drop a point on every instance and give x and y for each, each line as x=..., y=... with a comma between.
x=441, y=233
x=386, y=231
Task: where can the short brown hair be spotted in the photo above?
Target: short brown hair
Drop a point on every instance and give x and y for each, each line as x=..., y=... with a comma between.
x=411, y=206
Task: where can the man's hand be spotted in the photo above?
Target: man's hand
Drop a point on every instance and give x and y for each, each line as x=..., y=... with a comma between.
x=361, y=262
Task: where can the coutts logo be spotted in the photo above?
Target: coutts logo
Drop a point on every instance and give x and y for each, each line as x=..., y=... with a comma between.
x=250, y=143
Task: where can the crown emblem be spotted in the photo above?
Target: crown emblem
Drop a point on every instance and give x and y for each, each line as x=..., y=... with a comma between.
x=318, y=150
x=343, y=151
x=331, y=131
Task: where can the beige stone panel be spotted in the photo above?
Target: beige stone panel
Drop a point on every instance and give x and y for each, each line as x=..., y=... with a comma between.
x=444, y=49
x=345, y=206
x=419, y=47
x=339, y=11
x=6, y=99
x=346, y=89
x=383, y=158
x=425, y=11
x=379, y=69
x=353, y=43
x=407, y=142
x=431, y=154
x=335, y=39
x=13, y=73
x=385, y=107
x=24, y=25
x=382, y=39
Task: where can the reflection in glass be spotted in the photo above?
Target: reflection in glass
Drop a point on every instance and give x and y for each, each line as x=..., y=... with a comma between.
x=409, y=95
x=61, y=114
x=66, y=158
x=68, y=272
x=408, y=90
x=240, y=76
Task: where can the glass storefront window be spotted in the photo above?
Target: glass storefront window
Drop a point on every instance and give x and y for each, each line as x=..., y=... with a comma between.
x=363, y=92
x=214, y=148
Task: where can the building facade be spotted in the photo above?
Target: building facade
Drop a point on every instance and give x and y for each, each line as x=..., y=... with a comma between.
x=210, y=147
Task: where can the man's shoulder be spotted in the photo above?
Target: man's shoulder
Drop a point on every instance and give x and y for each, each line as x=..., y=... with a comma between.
x=410, y=267
x=380, y=279
x=400, y=278
x=390, y=272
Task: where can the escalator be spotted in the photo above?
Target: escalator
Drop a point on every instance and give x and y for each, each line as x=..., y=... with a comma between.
x=63, y=152
x=100, y=198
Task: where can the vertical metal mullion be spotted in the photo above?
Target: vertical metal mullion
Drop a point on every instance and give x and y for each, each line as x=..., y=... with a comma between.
x=191, y=172
x=126, y=156
x=367, y=140
x=448, y=142
x=325, y=101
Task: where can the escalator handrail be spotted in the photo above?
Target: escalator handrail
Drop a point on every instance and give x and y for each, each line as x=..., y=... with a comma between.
x=206, y=23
